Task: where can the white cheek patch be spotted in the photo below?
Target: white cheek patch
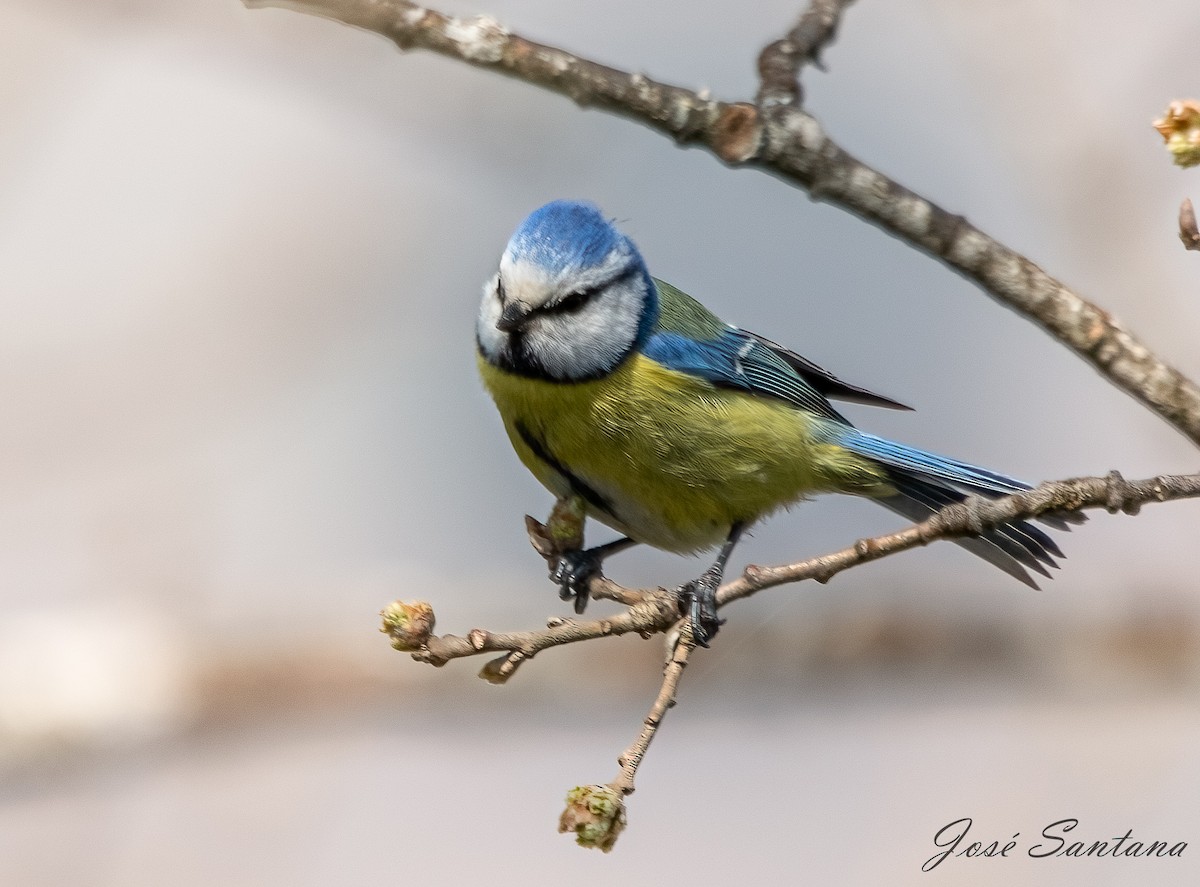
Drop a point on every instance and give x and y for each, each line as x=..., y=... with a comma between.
x=593, y=340
x=491, y=340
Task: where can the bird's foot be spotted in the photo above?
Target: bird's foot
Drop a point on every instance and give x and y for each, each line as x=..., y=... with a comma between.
x=572, y=572
x=698, y=601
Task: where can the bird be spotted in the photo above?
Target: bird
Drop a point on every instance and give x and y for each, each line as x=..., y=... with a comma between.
x=630, y=399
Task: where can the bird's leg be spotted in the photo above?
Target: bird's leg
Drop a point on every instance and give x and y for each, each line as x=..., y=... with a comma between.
x=698, y=598
x=573, y=570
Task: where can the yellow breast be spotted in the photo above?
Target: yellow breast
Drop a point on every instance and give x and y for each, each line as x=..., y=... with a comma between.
x=668, y=458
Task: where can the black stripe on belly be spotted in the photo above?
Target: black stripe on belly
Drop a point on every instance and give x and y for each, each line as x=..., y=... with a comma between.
x=578, y=486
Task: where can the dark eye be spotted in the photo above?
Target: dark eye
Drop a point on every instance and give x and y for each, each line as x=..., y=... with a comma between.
x=574, y=301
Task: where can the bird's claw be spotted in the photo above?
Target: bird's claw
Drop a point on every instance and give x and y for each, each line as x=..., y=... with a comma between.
x=572, y=572
x=698, y=600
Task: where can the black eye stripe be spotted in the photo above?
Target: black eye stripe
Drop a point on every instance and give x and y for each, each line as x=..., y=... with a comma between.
x=500, y=290
x=574, y=301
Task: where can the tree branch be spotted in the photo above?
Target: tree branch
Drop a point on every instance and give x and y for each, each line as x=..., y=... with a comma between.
x=657, y=610
x=780, y=62
x=596, y=813
x=791, y=144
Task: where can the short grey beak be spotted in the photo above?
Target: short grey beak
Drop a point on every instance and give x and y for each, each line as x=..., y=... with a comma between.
x=515, y=314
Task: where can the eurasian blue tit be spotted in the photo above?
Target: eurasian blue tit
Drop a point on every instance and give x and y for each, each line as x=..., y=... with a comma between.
x=626, y=396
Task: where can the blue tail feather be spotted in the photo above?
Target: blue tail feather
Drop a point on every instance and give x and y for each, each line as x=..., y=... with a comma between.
x=929, y=465
x=1011, y=547
x=925, y=482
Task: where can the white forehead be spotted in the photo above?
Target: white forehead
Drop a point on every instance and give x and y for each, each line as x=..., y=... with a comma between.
x=536, y=282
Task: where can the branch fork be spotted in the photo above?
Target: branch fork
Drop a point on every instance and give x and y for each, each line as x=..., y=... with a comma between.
x=596, y=814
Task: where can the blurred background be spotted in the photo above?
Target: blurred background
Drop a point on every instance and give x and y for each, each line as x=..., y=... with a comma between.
x=240, y=257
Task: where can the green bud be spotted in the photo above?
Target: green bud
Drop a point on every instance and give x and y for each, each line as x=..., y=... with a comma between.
x=596, y=814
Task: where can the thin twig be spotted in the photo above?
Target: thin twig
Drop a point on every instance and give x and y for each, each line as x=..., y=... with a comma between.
x=780, y=62
x=791, y=144
x=972, y=517
x=672, y=672
x=657, y=610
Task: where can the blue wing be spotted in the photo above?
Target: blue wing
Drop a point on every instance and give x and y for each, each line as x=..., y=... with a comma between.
x=924, y=482
x=697, y=341
x=826, y=382
x=735, y=359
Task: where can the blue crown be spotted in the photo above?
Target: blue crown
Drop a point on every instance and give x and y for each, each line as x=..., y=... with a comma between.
x=567, y=233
